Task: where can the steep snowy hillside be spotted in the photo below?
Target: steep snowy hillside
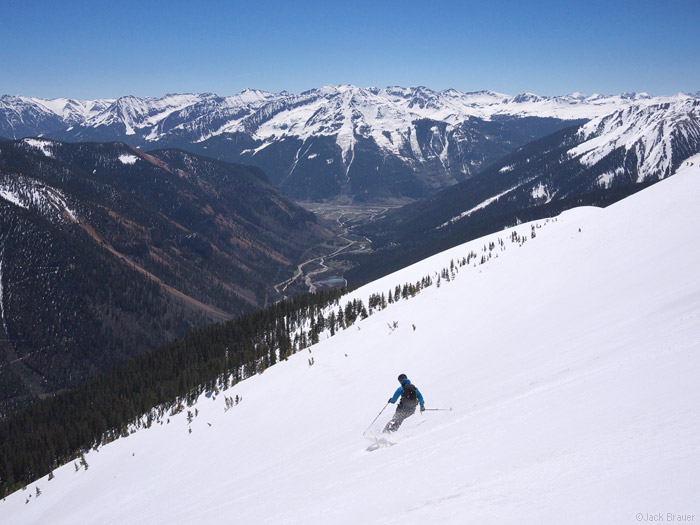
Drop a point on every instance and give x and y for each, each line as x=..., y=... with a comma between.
x=569, y=358
x=73, y=111
x=654, y=139
x=28, y=193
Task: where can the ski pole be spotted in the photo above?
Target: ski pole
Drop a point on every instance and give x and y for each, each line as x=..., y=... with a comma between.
x=447, y=409
x=372, y=423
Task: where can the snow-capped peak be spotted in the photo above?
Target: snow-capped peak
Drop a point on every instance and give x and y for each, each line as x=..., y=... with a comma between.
x=526, y=97
x=647, y=132
x=247, y=110
x=134, y=112
x=395, y=120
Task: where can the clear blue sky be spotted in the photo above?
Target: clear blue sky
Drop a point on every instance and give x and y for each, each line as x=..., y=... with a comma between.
x=95, y=49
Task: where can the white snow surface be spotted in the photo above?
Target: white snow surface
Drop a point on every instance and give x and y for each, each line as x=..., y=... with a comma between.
x=134, y=112
x=31, y=194
x=44, y=146
x=570, y=361
x=480, y=206
x=646, y=131
x=73, y=110
x=127, y=158
x=347, y=111
x=386, y=115
x=540, y=192
x=9, y=195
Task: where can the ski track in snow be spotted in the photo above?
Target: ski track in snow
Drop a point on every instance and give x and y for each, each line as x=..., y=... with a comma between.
x=570, y=361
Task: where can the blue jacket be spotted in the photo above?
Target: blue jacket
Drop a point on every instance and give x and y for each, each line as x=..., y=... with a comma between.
x=399, y=392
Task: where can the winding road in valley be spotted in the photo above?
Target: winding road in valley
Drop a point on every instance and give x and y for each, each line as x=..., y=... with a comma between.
x=362, y=246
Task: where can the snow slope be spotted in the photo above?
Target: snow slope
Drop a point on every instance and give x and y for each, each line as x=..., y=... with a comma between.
x=32, y=194
x=647, y=134
x=570, y=361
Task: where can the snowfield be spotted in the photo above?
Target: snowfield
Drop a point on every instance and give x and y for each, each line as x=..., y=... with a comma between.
x=44, y=146
x=32, y=194
x=647, y=132
x=127, y=158
x=570, y=361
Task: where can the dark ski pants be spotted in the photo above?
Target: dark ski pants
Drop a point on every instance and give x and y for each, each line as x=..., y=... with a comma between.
x=402, y=412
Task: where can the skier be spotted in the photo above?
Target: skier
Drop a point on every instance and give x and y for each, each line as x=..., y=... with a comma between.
x=410, y=398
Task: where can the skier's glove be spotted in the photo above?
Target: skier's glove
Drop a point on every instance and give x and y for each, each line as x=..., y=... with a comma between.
x=389, y=400
x=422, y=408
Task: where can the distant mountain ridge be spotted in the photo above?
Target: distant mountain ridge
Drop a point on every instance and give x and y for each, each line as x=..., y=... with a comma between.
x=598, y=163
x=331, y=142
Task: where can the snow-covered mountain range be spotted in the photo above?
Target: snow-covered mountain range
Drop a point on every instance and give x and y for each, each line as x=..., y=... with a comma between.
x=337, y=140
x=567, y=349
x=598, y=163
x=655, y=138
x=30, y=116
x=338, y=111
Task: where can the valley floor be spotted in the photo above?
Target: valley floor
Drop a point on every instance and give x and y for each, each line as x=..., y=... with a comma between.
x=326, y=271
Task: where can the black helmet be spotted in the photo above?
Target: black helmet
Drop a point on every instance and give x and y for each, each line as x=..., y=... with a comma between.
x=402, y=377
